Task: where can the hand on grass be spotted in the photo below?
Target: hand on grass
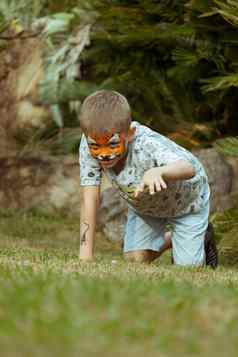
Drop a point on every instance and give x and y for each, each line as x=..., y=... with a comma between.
x=85, y=260
x=153, y=180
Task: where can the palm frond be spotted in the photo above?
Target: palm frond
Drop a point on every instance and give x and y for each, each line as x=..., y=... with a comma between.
x=185, y=57
x=54, y=142
x=23, y=10
x=228, y=146
x=220, y=82
x=228, y=10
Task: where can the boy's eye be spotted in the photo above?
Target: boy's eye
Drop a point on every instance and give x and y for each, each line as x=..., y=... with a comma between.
x=93, y=146
x=114, y=145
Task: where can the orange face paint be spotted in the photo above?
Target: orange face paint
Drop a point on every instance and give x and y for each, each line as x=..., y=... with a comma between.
x=108, y=147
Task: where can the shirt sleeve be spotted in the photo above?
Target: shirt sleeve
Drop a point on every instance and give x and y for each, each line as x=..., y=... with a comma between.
x=162, y=150
x=90, y=170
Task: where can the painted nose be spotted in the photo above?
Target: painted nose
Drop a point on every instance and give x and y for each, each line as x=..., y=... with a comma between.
x=105, y=158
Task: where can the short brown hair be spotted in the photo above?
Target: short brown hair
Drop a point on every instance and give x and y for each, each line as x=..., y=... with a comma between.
x=105, y=111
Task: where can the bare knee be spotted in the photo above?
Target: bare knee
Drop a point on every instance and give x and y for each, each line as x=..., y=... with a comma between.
x=141, y=256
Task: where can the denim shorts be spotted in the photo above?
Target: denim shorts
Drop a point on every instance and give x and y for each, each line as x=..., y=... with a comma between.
x=188, y=232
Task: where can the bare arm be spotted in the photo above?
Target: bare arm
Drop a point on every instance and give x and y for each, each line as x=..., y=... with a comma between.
x=90, y=198
x=179, y=170
x=157, y=177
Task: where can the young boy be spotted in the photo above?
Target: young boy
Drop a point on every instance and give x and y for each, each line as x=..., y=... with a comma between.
x=164, y=185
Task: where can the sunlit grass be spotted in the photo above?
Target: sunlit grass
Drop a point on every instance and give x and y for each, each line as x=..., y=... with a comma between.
x=50, y=304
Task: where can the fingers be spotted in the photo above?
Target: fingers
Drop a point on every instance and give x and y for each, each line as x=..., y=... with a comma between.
x=162, y=183
x=154, y=186
x=158, y=186
x=140, y=189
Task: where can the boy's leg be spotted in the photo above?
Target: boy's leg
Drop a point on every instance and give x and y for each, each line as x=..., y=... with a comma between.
x=145, y=238
x=188, y=238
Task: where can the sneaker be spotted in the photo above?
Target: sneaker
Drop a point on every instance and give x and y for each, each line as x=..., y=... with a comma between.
x=210, y=248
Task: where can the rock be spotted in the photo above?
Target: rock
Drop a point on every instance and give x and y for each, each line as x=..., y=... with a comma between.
x=113, y=212
x=50, y=185
x=21, y=69
x=30, y=116
x=220, y=176
x=233, y=162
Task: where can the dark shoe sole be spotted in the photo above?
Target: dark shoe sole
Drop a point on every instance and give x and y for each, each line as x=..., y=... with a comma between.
x=210, y=248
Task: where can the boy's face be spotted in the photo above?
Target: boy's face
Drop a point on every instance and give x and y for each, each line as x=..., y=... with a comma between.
x=108, y=148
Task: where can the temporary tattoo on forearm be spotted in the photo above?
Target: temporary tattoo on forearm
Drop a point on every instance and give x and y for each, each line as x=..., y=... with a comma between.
x=83, y=237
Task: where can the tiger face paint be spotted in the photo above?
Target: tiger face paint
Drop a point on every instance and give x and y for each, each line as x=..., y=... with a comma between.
x=109, y=148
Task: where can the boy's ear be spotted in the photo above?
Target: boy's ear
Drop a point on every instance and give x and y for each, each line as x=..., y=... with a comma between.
x=131, y=134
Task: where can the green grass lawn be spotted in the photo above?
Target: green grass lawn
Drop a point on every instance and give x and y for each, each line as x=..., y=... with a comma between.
x=50, y=305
